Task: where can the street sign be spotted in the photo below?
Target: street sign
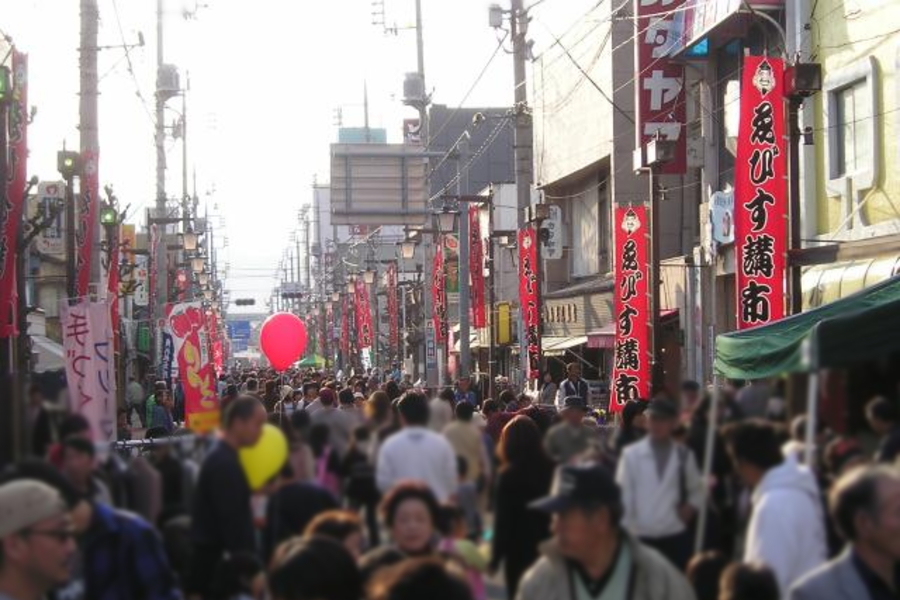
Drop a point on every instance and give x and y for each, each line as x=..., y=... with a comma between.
x=553, y=246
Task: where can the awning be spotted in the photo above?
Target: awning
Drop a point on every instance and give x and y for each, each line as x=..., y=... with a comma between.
x=603, y=338
x=826, y=283
x=557, y=346
x=50, y=355
x=860, y=327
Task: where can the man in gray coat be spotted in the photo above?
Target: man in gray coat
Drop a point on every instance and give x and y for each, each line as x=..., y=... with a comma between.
x=865, y=504
x=590, y=555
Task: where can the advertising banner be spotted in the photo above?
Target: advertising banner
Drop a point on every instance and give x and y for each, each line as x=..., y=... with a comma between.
x=659, y=89
x=154, y=264
x=631, y=367
x=363, y=315
x=761, y=204
x=11, y=210
x=87, y=216
x=90, y=365
x=49, y=195
x=345, y=326
x=439, y=296
x=476, y=269
x=187, y=325
x=529, y=300
x=393, y=308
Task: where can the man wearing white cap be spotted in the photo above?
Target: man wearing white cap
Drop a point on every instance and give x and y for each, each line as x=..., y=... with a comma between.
x=37, y=543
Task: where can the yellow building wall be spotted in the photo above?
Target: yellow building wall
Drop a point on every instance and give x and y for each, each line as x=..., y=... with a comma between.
x=843, y=32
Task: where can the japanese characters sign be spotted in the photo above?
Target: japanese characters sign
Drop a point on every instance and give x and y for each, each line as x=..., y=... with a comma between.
x=86, y=216
x=529, y=299
x=11, y=210
x=476, y=269
x=760, y=206
x=363, y=315
x=188, y=326
x=393, y=308
x=631, y=367
x=659, y=84
x=90, y=365
x=49, y=195
x=439, y=295
x=345, y=327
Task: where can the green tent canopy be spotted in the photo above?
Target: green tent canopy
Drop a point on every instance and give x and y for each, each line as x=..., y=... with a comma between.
x=311, y=361
x=860, y=327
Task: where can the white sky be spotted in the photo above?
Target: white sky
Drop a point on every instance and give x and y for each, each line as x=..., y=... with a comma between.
x=266, y=76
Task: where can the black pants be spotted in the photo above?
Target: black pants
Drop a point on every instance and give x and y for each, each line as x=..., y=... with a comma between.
x=676, y=548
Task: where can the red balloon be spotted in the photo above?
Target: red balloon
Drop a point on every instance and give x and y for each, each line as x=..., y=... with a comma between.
x=283, y=340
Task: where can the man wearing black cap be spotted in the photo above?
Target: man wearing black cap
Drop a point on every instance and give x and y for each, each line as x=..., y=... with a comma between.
x=590, y=556
x=661, y=487
x=568, y=439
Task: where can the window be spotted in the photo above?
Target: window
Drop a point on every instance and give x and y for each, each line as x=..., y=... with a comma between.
x=585, y=233
x=853, y=151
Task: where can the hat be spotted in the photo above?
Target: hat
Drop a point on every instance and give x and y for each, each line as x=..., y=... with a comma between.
x=579, y=486
x=573, y=402
x=25, y=502
x=662, y=409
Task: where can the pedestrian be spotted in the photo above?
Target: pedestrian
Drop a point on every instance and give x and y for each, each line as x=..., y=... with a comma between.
x=753, y=399
x=292, y=506
x=548, y=390
x=661, y=486
x=417, y=453
x=161, y=413
x=360, y=487
x=342, y=526
x=37, y=540
x=221, y=517
x=704, y=572
x=591, y=555
x=79, y=458
x=742, y=581
x=417, y=579
x=884, y=419
x=159, y=389
x=339, y=423
x=136, y=397
x=311, y=397
x=690, y=397
x=633, y=426
x=787, y=527
x=327, y=461
x=317, y=568
x=569, y=439
x=865, y=505
x=288, y=403
x=347, y=405
x=525, y=474
x=465, y=438
x=441, y=410
x=573, y=385
x=382, y=420
x=456, y=543
x=171, y=474
x=465, y=393
x=39, y=421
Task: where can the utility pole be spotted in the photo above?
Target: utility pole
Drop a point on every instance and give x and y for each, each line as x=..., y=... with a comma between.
x=162, y=272
x=87, y=111
x=465, y=356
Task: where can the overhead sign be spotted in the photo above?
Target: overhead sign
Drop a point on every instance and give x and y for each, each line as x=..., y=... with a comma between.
x=721, y=217
x=238, y=330
x=553, y=245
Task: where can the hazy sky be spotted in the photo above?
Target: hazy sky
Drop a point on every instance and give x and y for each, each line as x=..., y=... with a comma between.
x=266, y=77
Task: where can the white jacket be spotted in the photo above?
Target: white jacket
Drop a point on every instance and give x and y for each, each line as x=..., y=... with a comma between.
x=787, y=526
x=419, y=454
x=651, y=504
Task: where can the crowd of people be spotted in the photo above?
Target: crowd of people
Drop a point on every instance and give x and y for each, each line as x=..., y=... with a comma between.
x=391, y=493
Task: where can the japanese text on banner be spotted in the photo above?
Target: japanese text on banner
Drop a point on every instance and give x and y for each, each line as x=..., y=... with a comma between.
x=529, y=299
x=187, y=324
x=439, y=295
x=476, y=268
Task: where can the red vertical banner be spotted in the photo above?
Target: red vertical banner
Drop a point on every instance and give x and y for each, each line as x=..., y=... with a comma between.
x=329, y=332
x=439, y=294
x=476, y=268
x=631, y=368
x=363, y=315
x=153, y=275
x=345, y=326
x=11, y=211
x=760, y=194
x=87, y=221
x=112, y=284
x=393, y=308
x=187, y=323
x=529, y=299
x=659, y=86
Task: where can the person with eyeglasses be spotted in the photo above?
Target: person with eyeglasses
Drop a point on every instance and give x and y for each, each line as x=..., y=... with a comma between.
x=37, y=544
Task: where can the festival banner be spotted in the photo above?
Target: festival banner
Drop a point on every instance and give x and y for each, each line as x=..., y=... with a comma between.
x=760, y=201
x=187, y=324
x=345, y=326
x=631, y=367
x=11, y=210
x=439, y=295
x=87, y=221
x=112, y=282
x=476, y=268
x=659, y=89
x=329, y=331
x=90, y=367
x=363, y=315
x=393, y=308
x=152, y=260
x=529, y=300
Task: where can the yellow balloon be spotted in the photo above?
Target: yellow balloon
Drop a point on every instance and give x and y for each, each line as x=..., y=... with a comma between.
x=264, y=460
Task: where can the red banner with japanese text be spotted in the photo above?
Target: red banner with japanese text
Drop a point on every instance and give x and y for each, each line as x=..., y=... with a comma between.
x=659, y=86
x=112, y=282
x=345, y=326
x=11, y=210
x=760, y=194
x=439, y=295
x=187, y=324
x=529, y=299
x=363, y=315
x=631, y=367
x=476, y=268
x=87, y=220
x=393, y=308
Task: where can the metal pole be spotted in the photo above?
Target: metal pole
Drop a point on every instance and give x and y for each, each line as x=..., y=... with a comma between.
x=420, y=56
x=656, y=376
x=70, y=237
x=87, y=105
x=796, y=287
x=162, y=271
x=490, y=299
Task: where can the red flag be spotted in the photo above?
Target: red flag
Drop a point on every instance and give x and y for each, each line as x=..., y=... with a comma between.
x=529, y=299
x=439, y=295
x=476, y=268
x=393, y=309
x=363, y=315
x=87, y=221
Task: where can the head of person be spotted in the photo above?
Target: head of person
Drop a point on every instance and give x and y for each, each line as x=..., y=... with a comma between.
x=586, y=505
x=690, y=394
x=345, y=396
x=391, y=388
x=573, y=410
x=319, y=435
x=882, y=414
x=743, y=581
x=798, y=430
x=160, y=386
x=35, y=395
x=411, y=513
x=704, y=572
x=662, y=418
x=865, y=506
x=243, y=421
x=843, y=454
x=464, y=412
x=490, y=407
x=297, y=395
x=252, y=385
x=505, y=397
x=414, y=410
x=378, y=408
x=548, y=377
x=326, y=397
x=463, y=384
x=78, y=457
x=311, y=390
x=573, y=371
x=300, y=421
x=342, y=526
x=447, y=395
x=315, y=568
x=755, y=447
x=271, y=388
x=523, y=400
x=419, y=578
x=521, y=443
x=37, y=539
x=634, y=415
x=75, y=425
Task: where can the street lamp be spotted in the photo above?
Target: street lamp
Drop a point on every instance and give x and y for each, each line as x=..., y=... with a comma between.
x=208, y=295
x=447, y=220
x=407, y=250
x=203, y=278
x=197, y=264
x=369, y=276
x=335, y=296
x=189, y=240
x=351, y=287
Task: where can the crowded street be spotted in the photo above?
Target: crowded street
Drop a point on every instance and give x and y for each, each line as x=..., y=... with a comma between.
x=604, y=305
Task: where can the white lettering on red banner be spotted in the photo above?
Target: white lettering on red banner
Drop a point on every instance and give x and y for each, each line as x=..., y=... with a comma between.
x=439, y=295
x=529, y=299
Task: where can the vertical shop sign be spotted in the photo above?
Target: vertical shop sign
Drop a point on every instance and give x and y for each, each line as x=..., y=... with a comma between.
x=529, y=299
x=439, y=295
x=476, y=269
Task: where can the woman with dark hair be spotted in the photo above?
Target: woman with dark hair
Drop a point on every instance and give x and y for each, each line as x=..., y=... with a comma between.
x=342, y=526
x=317, y=568
x=382, y=420
x=633, y=425
x=525, y=475
x=271, y=396
x=548, y=390
x=742, y=581
x=392, y=390
x=327, y=463
x=416, y=579
x=704, y=572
